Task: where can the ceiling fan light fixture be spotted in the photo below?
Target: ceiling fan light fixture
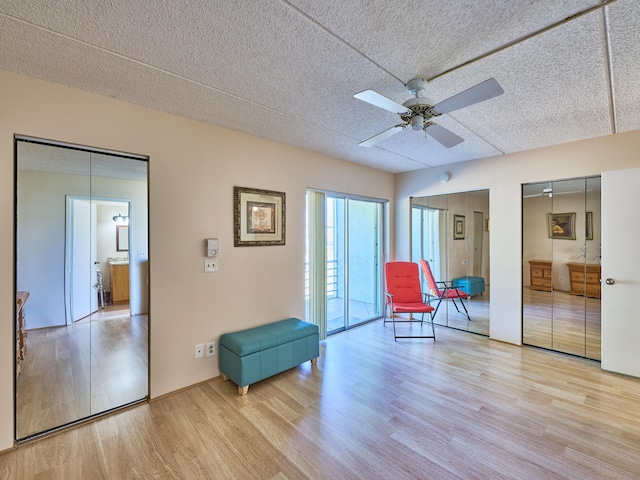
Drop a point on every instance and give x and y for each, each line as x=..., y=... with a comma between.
x=419, y=110
x=417, y=122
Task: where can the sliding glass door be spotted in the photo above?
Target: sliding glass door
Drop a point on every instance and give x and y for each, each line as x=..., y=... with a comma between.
x=350, y=259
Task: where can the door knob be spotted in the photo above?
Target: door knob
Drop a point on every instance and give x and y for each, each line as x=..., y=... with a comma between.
x=609, y=281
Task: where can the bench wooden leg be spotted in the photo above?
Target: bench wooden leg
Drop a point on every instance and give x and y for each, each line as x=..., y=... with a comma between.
x=243, y=390
x=223, y=377
x=314, y=361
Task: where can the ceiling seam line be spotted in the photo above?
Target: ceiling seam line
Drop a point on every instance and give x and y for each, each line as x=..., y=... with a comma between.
x=609, y=63
x=143, y=64
x=477, y=134
x=172, y=74
x=524, y=38
x=341, y=40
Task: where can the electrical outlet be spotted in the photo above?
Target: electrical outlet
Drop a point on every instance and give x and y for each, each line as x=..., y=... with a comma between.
x=561, y=279
x=210, y=265
x=199, y=350
x=211, y=349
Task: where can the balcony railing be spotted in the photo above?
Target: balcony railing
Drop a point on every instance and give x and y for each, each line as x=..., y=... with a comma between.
x=332, y=280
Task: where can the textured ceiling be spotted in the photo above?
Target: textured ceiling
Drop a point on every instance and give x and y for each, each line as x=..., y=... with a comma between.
x=288, y=70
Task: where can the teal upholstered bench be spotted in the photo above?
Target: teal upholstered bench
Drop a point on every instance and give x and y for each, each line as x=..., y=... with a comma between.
x=251, y=355
x=470, y=285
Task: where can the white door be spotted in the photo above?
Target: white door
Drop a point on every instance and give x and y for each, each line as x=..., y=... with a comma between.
x=620, y=263
x=81, y=250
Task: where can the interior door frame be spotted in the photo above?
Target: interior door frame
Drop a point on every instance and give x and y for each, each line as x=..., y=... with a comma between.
x=70, y=257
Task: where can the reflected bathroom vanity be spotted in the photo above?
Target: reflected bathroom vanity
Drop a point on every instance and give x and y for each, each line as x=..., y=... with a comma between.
x=119, y=277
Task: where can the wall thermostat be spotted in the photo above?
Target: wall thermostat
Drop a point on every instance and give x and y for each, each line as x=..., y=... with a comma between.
x=212, y=247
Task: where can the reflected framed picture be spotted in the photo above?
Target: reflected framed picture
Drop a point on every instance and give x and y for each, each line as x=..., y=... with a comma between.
x=589, y=226
x=458, y=227
x=259, y=217
x=562, y=226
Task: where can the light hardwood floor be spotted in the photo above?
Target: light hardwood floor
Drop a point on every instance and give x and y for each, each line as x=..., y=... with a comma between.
x=72, y=372
x=464, y=407
x=562, y=322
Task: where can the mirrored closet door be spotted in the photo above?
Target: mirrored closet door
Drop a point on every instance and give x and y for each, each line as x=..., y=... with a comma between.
x=81, y=284
x=451, y=233
x=561, y=266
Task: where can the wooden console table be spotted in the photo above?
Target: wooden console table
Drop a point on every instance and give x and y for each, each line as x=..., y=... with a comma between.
x=585, y=279
x=21, y=329
x=540, y=275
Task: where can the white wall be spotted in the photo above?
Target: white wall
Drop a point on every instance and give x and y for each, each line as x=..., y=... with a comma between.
x=192, y=170
x=503, y=176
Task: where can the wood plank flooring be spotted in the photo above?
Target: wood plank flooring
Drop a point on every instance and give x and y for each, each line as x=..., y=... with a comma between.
x=464, y=407
x=72, y=372
x=562, y=322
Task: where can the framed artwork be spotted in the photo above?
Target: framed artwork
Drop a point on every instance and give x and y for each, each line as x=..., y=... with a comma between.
x=259, y=217
x=458, y=227
x=562, y=226
x=589, y=226
x=122, y=238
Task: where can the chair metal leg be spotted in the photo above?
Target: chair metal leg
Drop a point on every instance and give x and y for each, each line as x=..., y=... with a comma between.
x=433, y=328
x=465, y=309
x=463, y=305
x=393, y=319
x=455, y=304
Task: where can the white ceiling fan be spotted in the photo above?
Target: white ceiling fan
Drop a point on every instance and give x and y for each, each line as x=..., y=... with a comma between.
x=419, y=111
x=549, y=192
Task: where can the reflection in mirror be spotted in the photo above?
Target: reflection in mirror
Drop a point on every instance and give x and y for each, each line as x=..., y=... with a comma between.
x=451, y=232
x=122, y=238
x=83, y=355
x=561, y=266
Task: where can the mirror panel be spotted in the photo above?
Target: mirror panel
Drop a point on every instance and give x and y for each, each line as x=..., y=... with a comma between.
x=55, y=391
x=451, y=232
x=561, y=266
x=84, y=355
x=568, y=237
x=593, y=254
x=537, y=294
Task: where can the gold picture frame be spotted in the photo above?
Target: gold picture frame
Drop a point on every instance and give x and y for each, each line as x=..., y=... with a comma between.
x=562, y=226
x=458, y=227
x=259, y=217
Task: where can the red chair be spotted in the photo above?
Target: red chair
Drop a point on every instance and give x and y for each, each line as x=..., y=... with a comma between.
x=404, y=295
x=447, y=292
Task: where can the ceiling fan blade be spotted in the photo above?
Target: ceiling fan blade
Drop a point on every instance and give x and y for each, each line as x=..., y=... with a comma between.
x=380, y=101
x=381, y=136
x=446, y=137
x=481, y=92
